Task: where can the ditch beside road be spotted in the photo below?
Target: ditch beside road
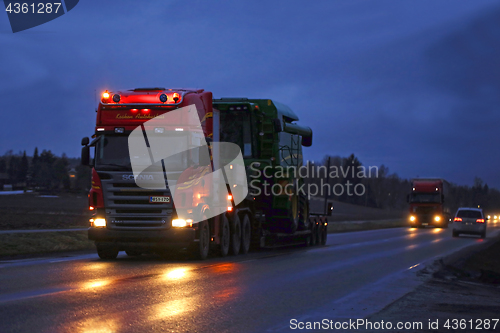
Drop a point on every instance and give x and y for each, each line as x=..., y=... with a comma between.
x=462, y=295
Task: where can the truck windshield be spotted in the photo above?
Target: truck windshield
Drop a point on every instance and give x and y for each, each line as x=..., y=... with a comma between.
x=236, y=128
x=112, y=153
x=425, y=197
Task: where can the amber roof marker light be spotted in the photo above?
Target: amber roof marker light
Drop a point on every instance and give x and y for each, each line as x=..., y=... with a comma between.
x=105, y=97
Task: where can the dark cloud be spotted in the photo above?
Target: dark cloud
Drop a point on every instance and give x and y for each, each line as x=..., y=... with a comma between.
x=370, y=78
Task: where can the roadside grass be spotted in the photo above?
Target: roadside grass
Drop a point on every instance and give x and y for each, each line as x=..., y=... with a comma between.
x=66, y=210
x=36, y=243
x=486, y=261
x=336, y=227
x=30, y=211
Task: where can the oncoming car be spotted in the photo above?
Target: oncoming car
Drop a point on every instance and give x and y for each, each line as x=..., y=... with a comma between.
x=469, y=221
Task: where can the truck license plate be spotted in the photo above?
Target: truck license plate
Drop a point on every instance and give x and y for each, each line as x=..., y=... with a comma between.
x=160, y=199
x=425, y=223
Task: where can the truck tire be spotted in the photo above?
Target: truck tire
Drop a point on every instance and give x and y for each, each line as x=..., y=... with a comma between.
x=106, y=252
x=225, y=236
x=303, y=213
x=324, y=233
x=235, y=235
x=308, y=240
x=319, y=233
x=313, y=232
x=293, y=215
x=200, y=249
x=246, y=234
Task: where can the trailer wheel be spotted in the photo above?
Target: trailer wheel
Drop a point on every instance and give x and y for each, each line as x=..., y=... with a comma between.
x=324, y=232
x=236, y=235
x=308, y=240
x=200, y=249
x=225, y=236
x=246, y=234
x=304, y=214
x=313, y=232
x=293, y=215
x=319, y=234
x=106, y=252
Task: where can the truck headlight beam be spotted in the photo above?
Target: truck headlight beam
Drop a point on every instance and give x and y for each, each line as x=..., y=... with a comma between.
x=98, y=222
x=181, y=223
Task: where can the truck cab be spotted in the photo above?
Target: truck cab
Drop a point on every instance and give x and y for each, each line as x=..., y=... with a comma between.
x=128, y=217
x=427, y=203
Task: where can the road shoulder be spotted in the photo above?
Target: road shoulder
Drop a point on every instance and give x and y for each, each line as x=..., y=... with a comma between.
x=463, y=295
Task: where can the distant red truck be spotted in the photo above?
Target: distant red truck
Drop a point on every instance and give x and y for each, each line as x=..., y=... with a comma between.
x=427, y=203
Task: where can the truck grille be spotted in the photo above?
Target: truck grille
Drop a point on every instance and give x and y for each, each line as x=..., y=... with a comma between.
x=128, y=206
x=425, y=209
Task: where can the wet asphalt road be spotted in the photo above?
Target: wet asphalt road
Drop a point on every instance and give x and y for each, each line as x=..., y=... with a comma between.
x=356, y=274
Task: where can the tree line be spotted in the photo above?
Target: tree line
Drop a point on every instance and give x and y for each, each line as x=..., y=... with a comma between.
x=386, y=190
x=381, y=189
x=43, y=171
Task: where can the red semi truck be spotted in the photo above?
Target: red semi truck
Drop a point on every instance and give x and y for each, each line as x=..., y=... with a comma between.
x=199, y=216
x=427, y=203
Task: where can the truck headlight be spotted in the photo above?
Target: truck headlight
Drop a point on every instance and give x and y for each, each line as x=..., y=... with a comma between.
x=437, y=218
x=98, y=222
x=181, y=223
x=412, y=218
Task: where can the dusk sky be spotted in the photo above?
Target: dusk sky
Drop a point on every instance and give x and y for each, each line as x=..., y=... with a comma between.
x=413, y=85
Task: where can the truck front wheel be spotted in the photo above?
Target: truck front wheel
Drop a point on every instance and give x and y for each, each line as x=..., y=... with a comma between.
x=200, y=249
x=106, y=252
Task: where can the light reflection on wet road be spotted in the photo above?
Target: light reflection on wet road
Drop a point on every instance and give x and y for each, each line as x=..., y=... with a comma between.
x=258, y=292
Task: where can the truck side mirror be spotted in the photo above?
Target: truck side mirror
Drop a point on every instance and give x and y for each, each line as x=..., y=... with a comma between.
x=329, y=209
x=307, y=141
x=85, y=141
x=85, y=155
x=277, y=125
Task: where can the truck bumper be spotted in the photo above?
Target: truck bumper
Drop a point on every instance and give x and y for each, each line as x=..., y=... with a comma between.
x=173, y=237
